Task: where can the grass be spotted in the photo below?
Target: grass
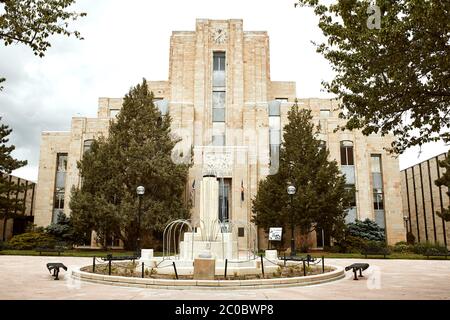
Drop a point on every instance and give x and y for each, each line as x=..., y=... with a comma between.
x=329, y=255
x=72, y=253
x=393, y=255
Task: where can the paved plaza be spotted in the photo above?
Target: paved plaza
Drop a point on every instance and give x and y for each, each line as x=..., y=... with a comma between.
x=26, y=277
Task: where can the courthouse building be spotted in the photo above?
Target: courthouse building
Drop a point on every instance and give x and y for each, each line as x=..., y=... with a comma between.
x=224, y=104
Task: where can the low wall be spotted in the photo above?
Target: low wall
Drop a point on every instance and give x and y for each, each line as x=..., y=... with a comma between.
x=336, y=274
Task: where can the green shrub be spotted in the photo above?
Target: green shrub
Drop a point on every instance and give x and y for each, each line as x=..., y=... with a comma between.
x=402, y=247
x=367, y=229
x=424, y=247
x=31, y=240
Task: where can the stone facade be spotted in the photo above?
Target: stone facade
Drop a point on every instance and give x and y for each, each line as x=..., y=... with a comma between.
x=422, y=198
x=23, y=218
x=224, y=104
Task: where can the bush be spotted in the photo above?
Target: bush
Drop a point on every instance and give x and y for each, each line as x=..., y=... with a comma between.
x=366, y=229
x=351, y=244
x=402, y=247
x=424, y=247
x=31, y=240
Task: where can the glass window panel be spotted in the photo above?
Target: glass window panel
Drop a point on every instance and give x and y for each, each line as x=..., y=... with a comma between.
x=274, y=108
x=219, y=61
x=87, y=145
x=219, y=79
x=60, y=180
x=349, y=172
x=162, y=105
x=218, y=100
x=377, y=181
x=282, y=99
x=347, y=143
x=218, y=140
x=62, y=162
x=351, y=215
x=113, y=113
x=274, y=158
x=379, y=218
x=274, y=123
x=274, y=136
x=350, y=156
x=375, y=163
x=324, y=113
x=219, y=115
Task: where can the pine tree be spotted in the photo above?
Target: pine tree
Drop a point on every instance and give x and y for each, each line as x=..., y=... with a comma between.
x=444, y=181
x=320, y=200
x=8, y=189
x=136, y=152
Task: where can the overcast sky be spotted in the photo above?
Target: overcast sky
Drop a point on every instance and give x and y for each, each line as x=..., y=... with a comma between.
x=128, y=40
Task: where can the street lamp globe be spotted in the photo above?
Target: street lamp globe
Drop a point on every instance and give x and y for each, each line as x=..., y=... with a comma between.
x=140, y=190
x=291, y=190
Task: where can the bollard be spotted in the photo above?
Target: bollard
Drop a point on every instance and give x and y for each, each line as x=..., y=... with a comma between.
x=93, y=265
x=323, y=264
x=304, y=268
x=175, y=268
x=143, y=272
x=109, y=267
x=262, y=266
x=226, y=265
x=285, y=259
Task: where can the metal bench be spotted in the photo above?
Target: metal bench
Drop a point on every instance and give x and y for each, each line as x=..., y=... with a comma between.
x=110, y=257
x=54, y=266
x=376, y=251
x=434, y=253
x=46, y=250
x=356, y=267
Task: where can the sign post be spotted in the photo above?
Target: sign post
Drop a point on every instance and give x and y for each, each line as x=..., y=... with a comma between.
x=275, y=234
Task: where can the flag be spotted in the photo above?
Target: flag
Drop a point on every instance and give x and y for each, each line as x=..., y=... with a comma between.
x=242, y=190
x=193, y=193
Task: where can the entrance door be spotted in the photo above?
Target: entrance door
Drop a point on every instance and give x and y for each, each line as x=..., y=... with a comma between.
x=224, y=198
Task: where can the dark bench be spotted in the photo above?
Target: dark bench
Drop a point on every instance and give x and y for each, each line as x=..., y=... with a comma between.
x=434, y=253
x=48, y=250
x=54, y=266
x=110, y=257
x=357, y=267
x=376, y=251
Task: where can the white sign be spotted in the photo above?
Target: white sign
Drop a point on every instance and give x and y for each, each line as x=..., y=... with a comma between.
x=275, y=234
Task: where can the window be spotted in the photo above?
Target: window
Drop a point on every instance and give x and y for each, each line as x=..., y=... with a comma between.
x=218, y=134
x=241, y=232
x=219, y=61
x=219, y=69
x=60, y=182
x=113, y=113
x=87, y=145
x=282, y=99
x=347, y=153
x=325, y=113
x=218, y=103
x=377, y=187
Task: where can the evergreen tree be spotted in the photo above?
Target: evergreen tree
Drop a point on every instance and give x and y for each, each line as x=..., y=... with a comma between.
x=136, y=152
x=444, y=181
x=320, y=200
x=8, y=189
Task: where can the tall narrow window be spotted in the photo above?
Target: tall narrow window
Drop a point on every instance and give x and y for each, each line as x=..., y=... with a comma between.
x=348, y=169
x=60, y=182
x=218, y=99
x=377, y=187
x=274, y=135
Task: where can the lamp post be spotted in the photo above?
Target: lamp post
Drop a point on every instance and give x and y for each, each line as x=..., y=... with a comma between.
x=140, y=192
x=406, y=219
x=291, y=191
